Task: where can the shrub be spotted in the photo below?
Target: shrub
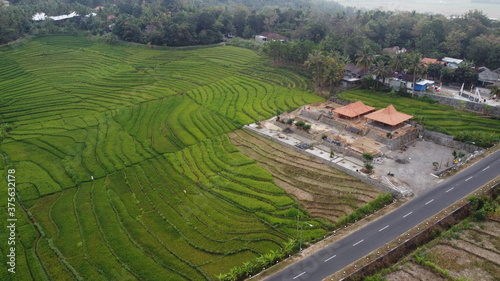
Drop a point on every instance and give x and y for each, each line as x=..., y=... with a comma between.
x=300, y=123
x=306, y=127
x=324, y=137
x=367, y=156
x=290, y=121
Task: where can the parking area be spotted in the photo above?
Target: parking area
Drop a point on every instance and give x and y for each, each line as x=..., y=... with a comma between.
x=412, y=168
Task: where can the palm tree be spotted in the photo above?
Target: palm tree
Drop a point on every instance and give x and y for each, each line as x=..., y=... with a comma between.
x=364, y=60
x=316, y=61
x=398, y=62
x=380, y=71
x=334, y=70
x=494, y=90
x=415, y=67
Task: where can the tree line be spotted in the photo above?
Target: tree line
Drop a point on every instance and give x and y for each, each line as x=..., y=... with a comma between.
x=331, y=27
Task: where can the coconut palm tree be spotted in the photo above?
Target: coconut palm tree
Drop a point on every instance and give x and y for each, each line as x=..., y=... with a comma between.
x=316, y=61
x=415, y=67
x=494, y=90
x=380, y=71
x=398, y=62
x=334, y=69
x=364, y=60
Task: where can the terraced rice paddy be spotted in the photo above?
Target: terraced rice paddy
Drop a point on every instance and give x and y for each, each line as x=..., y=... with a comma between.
x=307, y=179
x=124, y=166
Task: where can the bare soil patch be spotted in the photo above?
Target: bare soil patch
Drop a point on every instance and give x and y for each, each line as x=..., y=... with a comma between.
x=324, y=191
x=473, y=255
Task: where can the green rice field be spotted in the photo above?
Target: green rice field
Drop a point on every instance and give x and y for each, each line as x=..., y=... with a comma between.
x=123, y=166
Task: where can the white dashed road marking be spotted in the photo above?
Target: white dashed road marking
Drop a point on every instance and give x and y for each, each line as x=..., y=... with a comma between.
x=429, y=202
x=485, y=168
x=330, y=258
x=299, y=275
x=407, y=214
x=383, y=228
x=358, y=242
x=450, y=189
x=468, y=178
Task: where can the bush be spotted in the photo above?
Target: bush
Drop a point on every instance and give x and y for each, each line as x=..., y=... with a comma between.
x=306, y=127
x=367, y=156
x=290, y=121
x=371, y=207
x=300, y=123
x=324, y=137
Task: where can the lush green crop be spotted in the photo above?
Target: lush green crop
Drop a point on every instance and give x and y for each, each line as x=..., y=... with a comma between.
x=123, y=165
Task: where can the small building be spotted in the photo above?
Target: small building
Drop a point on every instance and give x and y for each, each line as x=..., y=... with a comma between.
x=353, y=110
x=427, y=61
x=422, y=85
x=348, y=82
x=452, y=62
x=389, y=116
x=260, y=39
x=487, y=77
x=269, y=36
x=392, y=51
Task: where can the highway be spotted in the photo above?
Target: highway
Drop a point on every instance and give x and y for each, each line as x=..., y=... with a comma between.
x=340, y=254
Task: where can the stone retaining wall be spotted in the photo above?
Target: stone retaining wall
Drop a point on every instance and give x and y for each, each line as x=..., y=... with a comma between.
x=447, y=140
x=461, y=104
x=396, y=143
x=310, y=114
x=342, y=150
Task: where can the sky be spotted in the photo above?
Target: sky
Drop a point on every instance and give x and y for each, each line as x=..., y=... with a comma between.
x=445, y=7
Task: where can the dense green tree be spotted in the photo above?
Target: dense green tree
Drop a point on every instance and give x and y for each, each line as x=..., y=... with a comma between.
x=398, y=62
x=365, y=58
x=316, y=62
x=466, y=74
x=333, y=72
x=127, y=29
x=485, y=50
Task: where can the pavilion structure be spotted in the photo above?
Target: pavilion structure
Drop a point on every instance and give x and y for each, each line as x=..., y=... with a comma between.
x=353, y=110
x=389, y=116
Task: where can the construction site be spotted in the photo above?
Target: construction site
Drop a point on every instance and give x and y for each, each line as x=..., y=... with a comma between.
x=355, y=127
x=339, y=134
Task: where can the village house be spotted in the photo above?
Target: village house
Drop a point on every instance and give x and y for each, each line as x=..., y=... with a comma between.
x=269, y=36
x=488, y=77
x=392, y=51
x=452, y=62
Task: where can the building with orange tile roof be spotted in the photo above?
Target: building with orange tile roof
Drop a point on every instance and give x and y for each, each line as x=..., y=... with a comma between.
x=354, y=109
x=389, y=116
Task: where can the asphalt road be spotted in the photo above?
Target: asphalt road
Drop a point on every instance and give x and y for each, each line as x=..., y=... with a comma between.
x=374, y=235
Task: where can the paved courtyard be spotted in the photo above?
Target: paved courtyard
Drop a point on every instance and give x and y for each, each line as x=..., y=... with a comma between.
x=412, y=168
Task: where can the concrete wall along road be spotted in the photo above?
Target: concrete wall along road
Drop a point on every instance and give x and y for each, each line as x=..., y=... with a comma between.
x=461, y=104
